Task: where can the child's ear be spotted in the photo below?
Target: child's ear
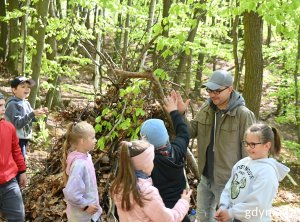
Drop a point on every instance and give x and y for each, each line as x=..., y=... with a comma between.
x=268, y=145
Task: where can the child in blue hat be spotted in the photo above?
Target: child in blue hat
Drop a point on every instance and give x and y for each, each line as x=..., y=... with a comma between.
x=168, y=173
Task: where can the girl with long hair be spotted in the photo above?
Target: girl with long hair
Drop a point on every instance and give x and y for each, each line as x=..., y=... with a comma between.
x=81, y=190
x=254, y=180
x=135, y=197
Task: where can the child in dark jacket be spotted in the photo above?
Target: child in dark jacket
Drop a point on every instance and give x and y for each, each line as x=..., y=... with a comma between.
x=11, y=164
x=19, y=112
x=168, y=173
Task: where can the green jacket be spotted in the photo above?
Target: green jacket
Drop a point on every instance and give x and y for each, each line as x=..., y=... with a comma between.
x=229, y=135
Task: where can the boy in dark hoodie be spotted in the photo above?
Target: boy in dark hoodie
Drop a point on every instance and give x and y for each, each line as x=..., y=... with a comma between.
x=168, y=173
x=19, y=112
x=11, y=164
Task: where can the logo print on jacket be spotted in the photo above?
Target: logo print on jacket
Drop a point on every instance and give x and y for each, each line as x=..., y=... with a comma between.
x=237, y=185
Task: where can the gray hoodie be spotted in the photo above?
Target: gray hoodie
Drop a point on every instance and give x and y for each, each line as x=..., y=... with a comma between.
x=20, y=114
x=251, y=188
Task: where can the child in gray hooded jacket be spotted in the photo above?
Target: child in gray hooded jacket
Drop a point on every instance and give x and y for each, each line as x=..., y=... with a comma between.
x=19, y=111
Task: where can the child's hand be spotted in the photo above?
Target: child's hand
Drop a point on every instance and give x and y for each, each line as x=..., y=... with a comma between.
x=40, y=111
x=186, y=194
x=23, y=180
x=92, y=209
x=170, y=104
x=222, y=215
x=181, y=105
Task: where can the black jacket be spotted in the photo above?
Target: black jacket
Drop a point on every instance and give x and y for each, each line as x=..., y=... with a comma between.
x=168, y=175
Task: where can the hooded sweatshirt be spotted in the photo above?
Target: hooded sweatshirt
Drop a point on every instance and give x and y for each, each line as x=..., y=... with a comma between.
x=20, y=114
x=253, y=185
x=81, y=188
x=219, y=137
x=235, y=101
x=11, y=159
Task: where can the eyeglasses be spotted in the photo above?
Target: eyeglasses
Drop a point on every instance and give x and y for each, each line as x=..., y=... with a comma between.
x=215, y=92
x=252, y=145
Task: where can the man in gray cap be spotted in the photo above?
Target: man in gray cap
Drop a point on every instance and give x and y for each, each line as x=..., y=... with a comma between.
x=219, y=127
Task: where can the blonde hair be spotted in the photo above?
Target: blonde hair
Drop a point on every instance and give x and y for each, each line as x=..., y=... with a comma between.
x=75, y=132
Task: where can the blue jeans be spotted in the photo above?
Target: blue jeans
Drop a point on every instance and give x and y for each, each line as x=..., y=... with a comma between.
x=11, y=202
x=208, y=197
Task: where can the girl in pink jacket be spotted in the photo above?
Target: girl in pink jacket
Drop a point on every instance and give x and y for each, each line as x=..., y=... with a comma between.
x=135, y=197
x=81, y=190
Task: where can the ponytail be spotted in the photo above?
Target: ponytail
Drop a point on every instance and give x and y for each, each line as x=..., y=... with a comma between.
x=267, y=134
x=66, y=148
x=276, y=148
x=75, y=132
x=125, y=182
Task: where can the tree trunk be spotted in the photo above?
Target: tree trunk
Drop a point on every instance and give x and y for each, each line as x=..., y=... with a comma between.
x=24, y=36
x=235, y=53
x=198, y=82
x=53, y=98
x=13, y=51
x=253, y=61
x=126, y=38
x=3, y=32
x=188, y=74
x=39, y=35
x=58, y=9
x=161, y=61
x=268, y=41
x=181, y=69
x=200, y=63
x=296, y=77
x=118, y=38
x=97, y=76
x=148, y=29
x=96, y=14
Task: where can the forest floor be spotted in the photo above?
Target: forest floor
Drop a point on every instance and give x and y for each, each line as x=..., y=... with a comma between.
x=286, y=206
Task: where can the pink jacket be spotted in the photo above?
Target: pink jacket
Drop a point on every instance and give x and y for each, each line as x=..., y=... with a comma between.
x=81, y=188
x=154, y=209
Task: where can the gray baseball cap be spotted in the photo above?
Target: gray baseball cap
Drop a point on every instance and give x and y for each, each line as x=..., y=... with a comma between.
x=218, y=79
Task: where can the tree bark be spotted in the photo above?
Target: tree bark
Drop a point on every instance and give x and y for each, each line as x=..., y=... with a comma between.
x=3, y=32
x=148, y=29
x=181, y=69
x=253, y=61
x=126, y=39
x=24, y=36
x=160, y=61
x=296, y=77
x=268, y=41
x=42, y=7
x=118, y=38
x=14, y=33
x=53, y=98
x=235, y=53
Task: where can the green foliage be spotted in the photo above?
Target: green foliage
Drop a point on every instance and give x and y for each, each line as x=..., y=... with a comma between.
x=294, y=149
x=161, y=74
x=123, y=118
x=41, y=136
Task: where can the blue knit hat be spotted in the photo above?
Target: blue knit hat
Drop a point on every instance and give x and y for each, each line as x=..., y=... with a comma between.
x=155, y=132
x=1, y=96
